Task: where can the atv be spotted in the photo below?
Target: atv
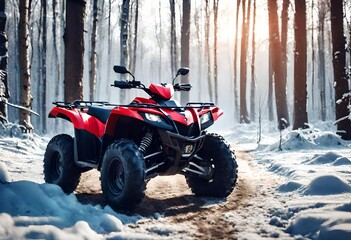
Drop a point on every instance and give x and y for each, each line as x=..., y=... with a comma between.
x=130, y=144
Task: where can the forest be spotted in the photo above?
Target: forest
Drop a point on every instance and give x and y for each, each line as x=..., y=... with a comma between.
x=284, y=61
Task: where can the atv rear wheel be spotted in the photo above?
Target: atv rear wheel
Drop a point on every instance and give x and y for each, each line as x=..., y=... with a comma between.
x=123, y=175
x=59, y=166
x=219, y=160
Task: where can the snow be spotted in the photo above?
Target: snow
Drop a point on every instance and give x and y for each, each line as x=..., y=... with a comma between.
x=310, y=195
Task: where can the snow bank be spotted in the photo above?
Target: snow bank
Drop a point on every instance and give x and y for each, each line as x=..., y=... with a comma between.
x=322, y=224
x=314, y=180
x=31, y=210
x=307, y=139
x=326, y=185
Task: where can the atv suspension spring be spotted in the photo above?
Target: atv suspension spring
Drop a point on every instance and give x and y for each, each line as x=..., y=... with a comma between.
x=145, y=143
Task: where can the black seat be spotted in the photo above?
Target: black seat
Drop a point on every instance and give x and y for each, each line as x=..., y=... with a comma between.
x=101, y=113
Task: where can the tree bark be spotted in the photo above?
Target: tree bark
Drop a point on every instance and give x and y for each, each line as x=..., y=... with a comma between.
x=25, y=86
x=43, y=65
x=173, y=48
x=321, y=59
x=235, y=80
x=300, y=66
x=185, y=43
x=207, y=49
x=215, y=32
x=92, y=70
x=340, y=79
x=4, y=86
x=244, y=115
x=253, y=82
x=124, y=57
x=275, y=46
x=74, y=49
x=284, y=38
x=135, y=39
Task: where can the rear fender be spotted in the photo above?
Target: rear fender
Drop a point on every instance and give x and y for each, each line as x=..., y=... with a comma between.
x=79, y=119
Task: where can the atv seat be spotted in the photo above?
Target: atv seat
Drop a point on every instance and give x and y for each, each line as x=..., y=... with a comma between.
x=101, y=113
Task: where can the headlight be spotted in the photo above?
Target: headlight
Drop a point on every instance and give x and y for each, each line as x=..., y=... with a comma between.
x=153, y=117
x=205, y=118
x=156, y=120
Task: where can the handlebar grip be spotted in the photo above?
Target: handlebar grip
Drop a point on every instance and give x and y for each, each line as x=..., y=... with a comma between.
x=182, y=87
x=122, y=84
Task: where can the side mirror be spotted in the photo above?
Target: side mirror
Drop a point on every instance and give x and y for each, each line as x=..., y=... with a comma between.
x=120, y=69
x=183, y=71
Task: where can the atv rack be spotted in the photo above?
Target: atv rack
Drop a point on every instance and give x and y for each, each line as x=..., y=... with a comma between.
x=80, y=104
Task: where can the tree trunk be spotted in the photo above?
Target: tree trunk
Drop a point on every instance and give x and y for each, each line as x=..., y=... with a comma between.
x=340, y=79
x=198, y=34
x=244, y=115
x=313, y=59
x=207, y=50
x=284, y=38
x=174, y=54
x=74, y=49
x=321, y=59
x=135, y=39
x=275, y=46
x=25, y=94
x=253, y=47
x=185, y=43
x=270, y=86
x=215, y=32
x=236, y=95
x=300, y=66
x=4, y=86
x=124, y=57
x=109, y=45
x=43, y=65
x=92, y=70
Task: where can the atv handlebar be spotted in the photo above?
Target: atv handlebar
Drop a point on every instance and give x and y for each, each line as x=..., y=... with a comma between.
x=126, y=84
x=136, y=84
x=182, y=87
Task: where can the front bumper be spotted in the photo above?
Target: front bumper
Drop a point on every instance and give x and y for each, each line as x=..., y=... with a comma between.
x=179, y=149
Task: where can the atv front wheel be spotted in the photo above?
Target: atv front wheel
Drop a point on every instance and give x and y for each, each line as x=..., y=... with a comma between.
x=123, y=175
x=59, y=166
x=215, y=156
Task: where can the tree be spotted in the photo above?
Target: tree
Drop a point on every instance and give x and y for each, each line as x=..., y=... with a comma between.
x=74, y=50
x=173, y=48
x=215, y=33
x=207, y=48
x=25, y=86
x=253, y=82
x=300, y=66
x=43, y=64
x=185, y=43
x=321, y=58
x=135, y=39
x=340, y=79
x=284, y=38
x=92, y=70
x=276, y=58
x=4, y=87
x=244, y=115
x=124, y=57
x=235, y=80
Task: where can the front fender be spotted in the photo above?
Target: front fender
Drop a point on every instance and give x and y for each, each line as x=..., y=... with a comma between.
x=79, y=119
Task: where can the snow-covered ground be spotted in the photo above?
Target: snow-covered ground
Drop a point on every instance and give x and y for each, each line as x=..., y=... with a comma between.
x=308, y=197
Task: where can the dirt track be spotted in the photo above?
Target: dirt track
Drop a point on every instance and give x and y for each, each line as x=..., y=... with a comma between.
x=206, y=218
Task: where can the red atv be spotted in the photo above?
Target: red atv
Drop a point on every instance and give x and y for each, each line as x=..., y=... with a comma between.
x=130, y=144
